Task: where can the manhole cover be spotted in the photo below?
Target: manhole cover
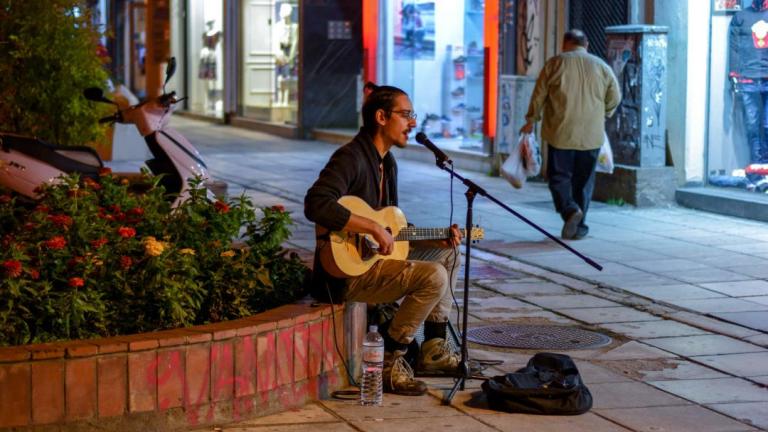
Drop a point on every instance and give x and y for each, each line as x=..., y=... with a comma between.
x=537, y=337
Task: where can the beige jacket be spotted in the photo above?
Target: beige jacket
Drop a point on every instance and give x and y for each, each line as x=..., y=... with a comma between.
x=576, y=91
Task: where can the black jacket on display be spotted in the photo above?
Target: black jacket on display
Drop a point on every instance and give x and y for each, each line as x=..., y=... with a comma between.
x=353, y=169
x=748, y=42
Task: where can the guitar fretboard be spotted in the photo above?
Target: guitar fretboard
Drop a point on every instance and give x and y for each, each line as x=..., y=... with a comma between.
x=411, y=234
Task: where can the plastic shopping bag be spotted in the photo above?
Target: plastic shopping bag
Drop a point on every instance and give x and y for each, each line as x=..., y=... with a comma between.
x=524, y=161
x=513, y=170
x=605, y=157
x=529, y=151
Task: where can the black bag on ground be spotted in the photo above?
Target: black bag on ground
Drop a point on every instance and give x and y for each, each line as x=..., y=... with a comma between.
x=550, y=384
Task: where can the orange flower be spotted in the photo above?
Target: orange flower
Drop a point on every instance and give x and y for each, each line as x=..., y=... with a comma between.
x=55, y=243
x=76, y=282
x=91, y=183
x=126, y=232
x=12, y=268
x=221, y=207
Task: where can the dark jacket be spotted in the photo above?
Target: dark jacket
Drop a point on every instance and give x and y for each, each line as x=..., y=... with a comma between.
x=746, y=58
x=353, y=169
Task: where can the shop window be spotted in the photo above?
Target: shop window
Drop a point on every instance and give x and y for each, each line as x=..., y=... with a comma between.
x=270, y=61
x=738, y=108
x=434, y=50
x=206, y=66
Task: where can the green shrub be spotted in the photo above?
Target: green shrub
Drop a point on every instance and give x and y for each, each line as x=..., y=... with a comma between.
x=92, y=259
x=49, y=55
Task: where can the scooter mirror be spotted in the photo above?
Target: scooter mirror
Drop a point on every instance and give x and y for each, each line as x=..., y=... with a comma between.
x=96, y=94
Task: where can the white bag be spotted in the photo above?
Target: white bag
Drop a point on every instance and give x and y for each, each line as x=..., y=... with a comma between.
x=605, y=157
x=524, y=161
x=529, y=151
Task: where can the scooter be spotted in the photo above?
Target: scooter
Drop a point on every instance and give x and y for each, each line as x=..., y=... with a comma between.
x=26, y=162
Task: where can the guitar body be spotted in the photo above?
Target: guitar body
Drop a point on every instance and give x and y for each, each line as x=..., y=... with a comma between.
x=348, y=254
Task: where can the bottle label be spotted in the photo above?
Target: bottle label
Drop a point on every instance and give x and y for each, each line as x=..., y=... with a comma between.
x=373, y=356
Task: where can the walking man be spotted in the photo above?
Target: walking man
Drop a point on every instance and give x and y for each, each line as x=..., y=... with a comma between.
x=575, y=91
x=365, y=168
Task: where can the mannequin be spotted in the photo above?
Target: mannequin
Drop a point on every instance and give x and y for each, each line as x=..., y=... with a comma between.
x=207, y=71
x=285, y=34
x=748, y=72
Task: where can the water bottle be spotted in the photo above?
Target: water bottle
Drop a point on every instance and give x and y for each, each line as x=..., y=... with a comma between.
x=371, y=386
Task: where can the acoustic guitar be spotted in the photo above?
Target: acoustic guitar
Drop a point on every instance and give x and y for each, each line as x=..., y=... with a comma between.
x=348, y=254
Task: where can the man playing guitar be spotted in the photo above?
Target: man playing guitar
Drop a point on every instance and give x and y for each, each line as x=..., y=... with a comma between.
x=366, y=169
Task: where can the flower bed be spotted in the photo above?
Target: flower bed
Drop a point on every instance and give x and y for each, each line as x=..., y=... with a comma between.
x=92, y=259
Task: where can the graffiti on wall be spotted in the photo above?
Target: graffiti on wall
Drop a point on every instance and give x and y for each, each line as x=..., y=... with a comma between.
x=624, y=126
x=530, y=26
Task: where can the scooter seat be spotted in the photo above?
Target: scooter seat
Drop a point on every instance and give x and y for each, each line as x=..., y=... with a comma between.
x=69, y=159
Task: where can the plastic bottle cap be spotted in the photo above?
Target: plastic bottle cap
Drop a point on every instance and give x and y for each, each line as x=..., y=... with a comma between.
x=373, y=328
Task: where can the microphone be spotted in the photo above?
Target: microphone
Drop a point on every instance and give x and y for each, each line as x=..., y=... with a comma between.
x=441, y=157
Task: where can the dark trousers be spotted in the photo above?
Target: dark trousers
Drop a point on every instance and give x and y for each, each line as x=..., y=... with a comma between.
x=754, y=97
x=571, y=179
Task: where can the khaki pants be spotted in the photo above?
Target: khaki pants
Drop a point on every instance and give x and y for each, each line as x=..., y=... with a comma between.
x=424, y=282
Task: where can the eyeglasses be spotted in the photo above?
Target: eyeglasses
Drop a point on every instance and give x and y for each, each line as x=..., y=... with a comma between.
x=408, y=114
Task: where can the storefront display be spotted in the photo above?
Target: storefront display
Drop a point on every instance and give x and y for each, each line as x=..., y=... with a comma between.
x=205, y=68
x=738, y=141
x=434, y=51
x=270, y=61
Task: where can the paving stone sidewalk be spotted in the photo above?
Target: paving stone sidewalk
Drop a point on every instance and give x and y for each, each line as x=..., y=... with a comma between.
x=683, y=294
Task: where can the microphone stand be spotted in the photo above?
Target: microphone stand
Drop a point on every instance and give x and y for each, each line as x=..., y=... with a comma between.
x=472, y=190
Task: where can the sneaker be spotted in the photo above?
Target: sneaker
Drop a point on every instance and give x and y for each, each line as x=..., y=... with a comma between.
x=571, y=225
x=398, y=376
x=437, y=358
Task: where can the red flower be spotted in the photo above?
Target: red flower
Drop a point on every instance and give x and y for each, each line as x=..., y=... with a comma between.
x=29, y=226
x=278, y=208
x=75, y=261
x=42, y=209
x=56, y=242
x=126, y=232
x=34, y=274
x=76, y=282
x=221, y=207
x=105, y=171
x=60, y=220
x=99, y=243
x=136, y=211
x=114, y=208
x=12, y=268
x=126, y=262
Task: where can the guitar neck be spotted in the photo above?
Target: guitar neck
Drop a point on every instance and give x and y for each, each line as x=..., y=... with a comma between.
x=413, y=234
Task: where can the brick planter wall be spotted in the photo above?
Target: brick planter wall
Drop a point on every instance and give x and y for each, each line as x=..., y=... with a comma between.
x=173, y=379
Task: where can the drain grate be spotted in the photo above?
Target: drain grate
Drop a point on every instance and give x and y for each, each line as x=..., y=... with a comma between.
x=537, y=337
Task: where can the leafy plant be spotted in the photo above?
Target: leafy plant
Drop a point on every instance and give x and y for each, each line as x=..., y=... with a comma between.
x=50, y=54
x=93, y=259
